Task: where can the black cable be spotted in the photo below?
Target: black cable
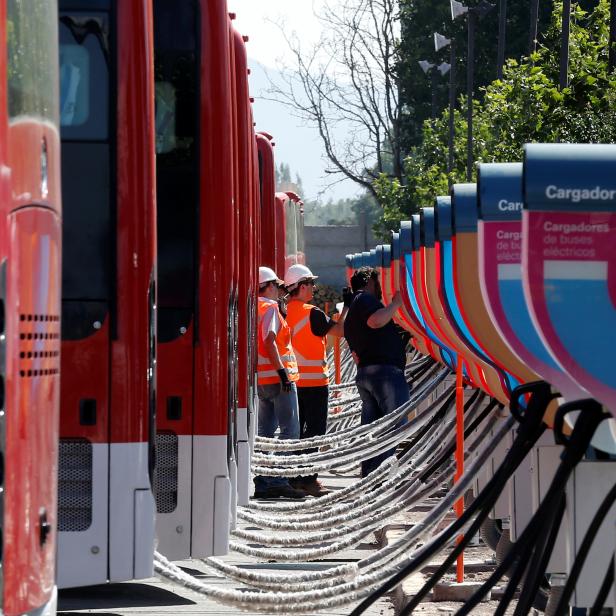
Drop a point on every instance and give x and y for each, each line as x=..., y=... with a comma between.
x=541, y=557
x=584, y=549
x=529, y=431
x=438, y=415
x=520, y=561
x=575, y=448
x=468, y=535
x=608, y=580
x=449, y=451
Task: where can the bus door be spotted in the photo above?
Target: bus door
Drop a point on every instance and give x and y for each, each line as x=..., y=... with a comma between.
x=195, y=230
x=244, y=244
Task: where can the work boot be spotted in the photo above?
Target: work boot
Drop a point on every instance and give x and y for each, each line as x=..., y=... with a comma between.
x=314, y=488
x=279, y=492
x=285, y=492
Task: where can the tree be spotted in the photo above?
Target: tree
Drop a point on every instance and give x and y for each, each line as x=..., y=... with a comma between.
x=418, y=22
x=525, y=106
x=348, y=83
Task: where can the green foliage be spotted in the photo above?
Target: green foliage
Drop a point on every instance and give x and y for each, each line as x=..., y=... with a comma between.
x=419, y=19
x=525, y=106
x=351, y=211
x=342, y=212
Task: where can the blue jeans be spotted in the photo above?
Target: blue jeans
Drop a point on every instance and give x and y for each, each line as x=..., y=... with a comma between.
x=277, y=408
x=382, y=390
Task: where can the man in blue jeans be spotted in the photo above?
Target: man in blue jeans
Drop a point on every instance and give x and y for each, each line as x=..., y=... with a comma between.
x=379, y=350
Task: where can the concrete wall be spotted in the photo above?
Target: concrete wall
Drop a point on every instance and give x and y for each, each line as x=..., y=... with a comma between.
x=327, y=246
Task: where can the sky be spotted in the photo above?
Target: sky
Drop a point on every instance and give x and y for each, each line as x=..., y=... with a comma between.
x=297, y=144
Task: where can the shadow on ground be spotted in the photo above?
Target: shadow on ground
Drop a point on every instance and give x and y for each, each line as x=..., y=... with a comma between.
x=113, y=596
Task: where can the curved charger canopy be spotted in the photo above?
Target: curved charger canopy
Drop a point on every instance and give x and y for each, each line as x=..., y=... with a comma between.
x=424, y=344
x=569, y=258
x=500, y=206
x=441, y=275
x=414, y=265
x=468, y=287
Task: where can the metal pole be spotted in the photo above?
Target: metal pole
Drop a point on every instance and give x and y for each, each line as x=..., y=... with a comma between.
x=612, y=51
x=564, y=45
x=534, y=18
x=502, y=34
x=433, y=85
x=452, y=106
x=459, y=506
x=470, y=73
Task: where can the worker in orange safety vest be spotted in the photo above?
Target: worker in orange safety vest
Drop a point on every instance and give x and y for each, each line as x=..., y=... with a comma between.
x=310, y=327
x=277, y=375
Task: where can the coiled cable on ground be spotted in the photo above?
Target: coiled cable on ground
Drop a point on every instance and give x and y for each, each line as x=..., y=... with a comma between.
x=272, y=444
x=395, y=552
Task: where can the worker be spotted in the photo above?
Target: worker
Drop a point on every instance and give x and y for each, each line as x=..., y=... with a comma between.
x=277, y=375
x=379, y=351
x=310, y=327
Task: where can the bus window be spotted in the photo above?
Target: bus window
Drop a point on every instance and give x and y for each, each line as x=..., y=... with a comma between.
x=86, y=161
x=291, y=236
x=176, y=70
x=84, y=76
x=32, y=53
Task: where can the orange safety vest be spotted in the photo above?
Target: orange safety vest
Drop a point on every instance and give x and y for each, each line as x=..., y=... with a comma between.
x=266, y=372
x=310, y=350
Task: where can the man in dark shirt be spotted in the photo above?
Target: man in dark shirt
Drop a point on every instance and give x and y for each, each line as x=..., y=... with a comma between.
x=379, y=351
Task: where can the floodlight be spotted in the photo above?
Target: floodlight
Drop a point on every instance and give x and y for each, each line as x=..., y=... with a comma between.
x=443, y=68
x=440, y=41
x=425, y=65
x=457, y=9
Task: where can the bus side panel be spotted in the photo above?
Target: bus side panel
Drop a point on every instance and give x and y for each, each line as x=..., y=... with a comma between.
x=33, y=381
x=267, y=188
x=133, y=349
x=211, y=483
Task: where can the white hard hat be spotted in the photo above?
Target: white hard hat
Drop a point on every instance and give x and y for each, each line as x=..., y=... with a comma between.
x=267, y=274
x=297, y=273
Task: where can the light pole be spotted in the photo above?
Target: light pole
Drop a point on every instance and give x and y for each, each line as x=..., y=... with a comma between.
x=563, y=79
x=502, y=37
x=440, y=42
x=474, y=14
x=612, y=40
x=534, y=18
x=428, y=67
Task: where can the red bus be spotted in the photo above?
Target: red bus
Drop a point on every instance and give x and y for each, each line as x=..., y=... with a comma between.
x=30, y=243
x=247, y=268
x=269, y=253
x=281, y=214
x=196, y=220
x=106, y=506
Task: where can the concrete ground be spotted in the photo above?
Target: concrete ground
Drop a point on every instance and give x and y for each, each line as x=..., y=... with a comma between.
x=157, y=597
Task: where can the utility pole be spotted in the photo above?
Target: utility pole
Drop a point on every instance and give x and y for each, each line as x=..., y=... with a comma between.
x=534, y=19
x=440, y=42
x=502, y=38
x=474, y=15
x=563, y=80
x=612, y=51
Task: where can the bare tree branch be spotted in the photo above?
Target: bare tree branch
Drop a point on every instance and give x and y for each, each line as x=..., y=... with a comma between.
x=347, y=87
